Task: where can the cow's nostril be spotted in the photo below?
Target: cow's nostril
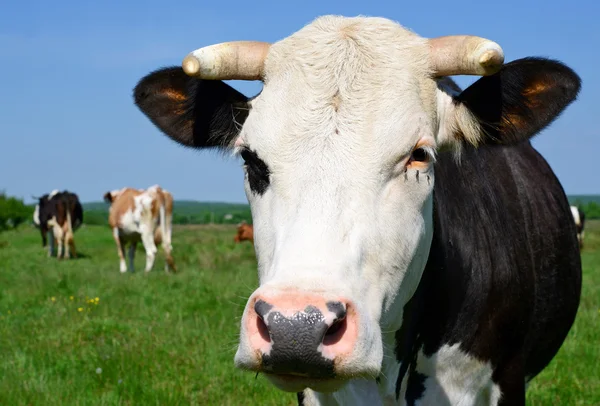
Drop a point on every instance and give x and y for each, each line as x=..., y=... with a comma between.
x=335, y=333
x=262, y=308
x=262, y=329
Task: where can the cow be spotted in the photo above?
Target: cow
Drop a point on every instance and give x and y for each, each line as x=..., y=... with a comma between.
x=412, y=246
x=42, y=200
x=61, y=213
x=579, y=217
x=141, y=215
x=245, y=232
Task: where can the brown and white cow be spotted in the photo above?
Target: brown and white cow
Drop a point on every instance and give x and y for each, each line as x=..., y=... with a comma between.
x=141, y=215
x=245, y=232
x=412, y=246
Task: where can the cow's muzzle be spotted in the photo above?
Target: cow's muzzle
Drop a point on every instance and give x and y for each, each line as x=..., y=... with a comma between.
x=298, y=339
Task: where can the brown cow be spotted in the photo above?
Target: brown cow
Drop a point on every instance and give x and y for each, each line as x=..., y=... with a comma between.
x=245, y=232
x=141, y=215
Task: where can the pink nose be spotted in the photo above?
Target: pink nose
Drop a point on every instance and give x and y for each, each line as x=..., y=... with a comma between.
x=301, y=334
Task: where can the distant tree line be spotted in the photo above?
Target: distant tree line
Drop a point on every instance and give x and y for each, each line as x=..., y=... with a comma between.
x=184, y=212
x=13, y=212
x=591, y=209
x=100, y=217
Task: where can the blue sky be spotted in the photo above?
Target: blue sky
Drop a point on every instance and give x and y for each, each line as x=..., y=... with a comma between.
x=67, y=69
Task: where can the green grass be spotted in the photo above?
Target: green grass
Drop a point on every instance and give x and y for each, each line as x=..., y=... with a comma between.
x=170, y=339
x=157, y=338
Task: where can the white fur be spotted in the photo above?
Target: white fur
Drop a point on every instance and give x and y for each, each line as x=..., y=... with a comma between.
x=456, y=378
x=138, y=224
x=36, y=215
x=344, y=104
x=575, y=213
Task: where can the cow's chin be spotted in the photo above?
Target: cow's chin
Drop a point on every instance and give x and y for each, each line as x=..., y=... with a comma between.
x=294, y=383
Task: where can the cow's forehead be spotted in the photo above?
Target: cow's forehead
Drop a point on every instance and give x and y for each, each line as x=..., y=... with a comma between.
x=375, y=50
x=369, y=75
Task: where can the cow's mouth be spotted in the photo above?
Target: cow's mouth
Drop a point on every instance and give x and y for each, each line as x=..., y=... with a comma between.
x=297, y=383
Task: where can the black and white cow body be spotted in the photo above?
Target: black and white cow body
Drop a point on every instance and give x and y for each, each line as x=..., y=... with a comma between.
x=61, y=213
x=413, y=248
x=579, y=218
x=502, y=282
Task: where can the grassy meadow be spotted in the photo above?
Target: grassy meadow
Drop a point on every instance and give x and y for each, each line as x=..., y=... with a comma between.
x=80, y=333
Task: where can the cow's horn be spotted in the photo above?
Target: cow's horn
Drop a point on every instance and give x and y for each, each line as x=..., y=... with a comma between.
x=464, y=55
x=242, y=60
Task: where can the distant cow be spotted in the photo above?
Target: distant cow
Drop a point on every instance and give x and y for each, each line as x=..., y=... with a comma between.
x=245, y=232
x=62, y=213
x=579, y=217
x=141, y=215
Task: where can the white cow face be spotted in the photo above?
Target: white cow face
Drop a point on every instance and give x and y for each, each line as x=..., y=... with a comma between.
x=339, y=151
x=339, y=174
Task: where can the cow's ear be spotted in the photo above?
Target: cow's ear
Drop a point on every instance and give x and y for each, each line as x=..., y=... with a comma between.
x=515, y=103
x=195, y=113
x=108, y=197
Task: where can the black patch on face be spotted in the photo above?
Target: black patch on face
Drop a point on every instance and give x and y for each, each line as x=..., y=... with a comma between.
x=257, y=170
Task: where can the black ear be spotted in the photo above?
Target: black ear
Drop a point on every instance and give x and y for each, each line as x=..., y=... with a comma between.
x=195, y=113
x=108, y=197
x=521, y=99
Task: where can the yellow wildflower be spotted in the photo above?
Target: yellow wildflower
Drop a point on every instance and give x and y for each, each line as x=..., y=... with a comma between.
x=80, y=309
x=53, y=299
x=71, y=297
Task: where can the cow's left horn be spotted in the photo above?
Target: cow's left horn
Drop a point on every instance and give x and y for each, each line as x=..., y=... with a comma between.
x=242, y=60
x=464, y=55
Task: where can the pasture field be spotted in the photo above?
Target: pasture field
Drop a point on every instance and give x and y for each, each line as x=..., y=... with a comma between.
x=80, y=333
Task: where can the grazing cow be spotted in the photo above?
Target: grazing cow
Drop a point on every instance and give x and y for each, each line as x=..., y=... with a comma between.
x=245, y=232
x=141, y=215
x=62, y=213
x=579, y=217
x=412, y=246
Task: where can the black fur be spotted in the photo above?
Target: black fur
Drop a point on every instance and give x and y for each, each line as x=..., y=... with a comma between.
x=300, y=397
x=195, y=113
x=521, y=99
x=56, y=206
x=503, y=277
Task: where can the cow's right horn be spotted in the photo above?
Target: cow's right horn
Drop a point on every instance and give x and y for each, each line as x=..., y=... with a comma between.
x=241, y=60
x=464, y=55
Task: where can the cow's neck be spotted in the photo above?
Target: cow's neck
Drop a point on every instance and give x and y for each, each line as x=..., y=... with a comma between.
x=380, y=392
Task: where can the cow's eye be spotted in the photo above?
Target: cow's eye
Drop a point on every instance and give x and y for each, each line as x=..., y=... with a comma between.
x=257, y=170
x=419, y=155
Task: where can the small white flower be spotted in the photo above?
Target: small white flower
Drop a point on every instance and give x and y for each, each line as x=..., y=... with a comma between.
x=98, y=371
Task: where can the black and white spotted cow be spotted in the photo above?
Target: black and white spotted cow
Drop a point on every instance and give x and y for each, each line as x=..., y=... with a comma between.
x=61, y=213
x=579, y=218
x=413, y=247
